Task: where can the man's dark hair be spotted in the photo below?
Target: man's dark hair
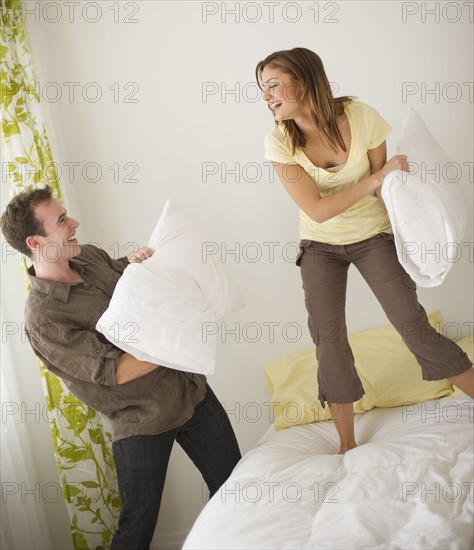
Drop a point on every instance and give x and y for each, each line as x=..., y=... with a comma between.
x=19, y=221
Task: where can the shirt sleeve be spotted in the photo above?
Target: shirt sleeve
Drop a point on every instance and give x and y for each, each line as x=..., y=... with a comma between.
x=78, y=352
x=118, y=265
x=277, y=149
x=377, y=128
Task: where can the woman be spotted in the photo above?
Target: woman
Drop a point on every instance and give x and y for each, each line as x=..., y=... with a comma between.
x=330, y=155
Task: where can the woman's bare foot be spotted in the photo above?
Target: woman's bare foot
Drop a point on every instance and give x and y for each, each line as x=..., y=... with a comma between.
x=347, y=447
x=343, y=416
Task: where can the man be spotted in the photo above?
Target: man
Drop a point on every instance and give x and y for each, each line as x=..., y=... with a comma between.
x=149, y=406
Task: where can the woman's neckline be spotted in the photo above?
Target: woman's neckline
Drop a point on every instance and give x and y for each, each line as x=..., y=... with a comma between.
x=351, y=148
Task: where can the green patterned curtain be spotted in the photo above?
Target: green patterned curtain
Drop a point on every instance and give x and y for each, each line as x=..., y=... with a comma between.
x=82, y=445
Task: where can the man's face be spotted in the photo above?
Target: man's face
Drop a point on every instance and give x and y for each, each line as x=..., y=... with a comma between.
x=59, y=241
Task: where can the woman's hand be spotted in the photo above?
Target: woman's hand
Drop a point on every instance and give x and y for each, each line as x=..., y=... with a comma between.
x=398, y=162
x=141, y=254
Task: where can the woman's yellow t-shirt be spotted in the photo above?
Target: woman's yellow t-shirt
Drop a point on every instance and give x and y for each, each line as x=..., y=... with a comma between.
x=368, y=216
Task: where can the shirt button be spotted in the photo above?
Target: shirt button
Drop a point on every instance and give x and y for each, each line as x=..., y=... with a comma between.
x=97, y=351
x=86, y=285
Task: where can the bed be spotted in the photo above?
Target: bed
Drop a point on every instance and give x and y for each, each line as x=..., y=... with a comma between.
x=409, y=484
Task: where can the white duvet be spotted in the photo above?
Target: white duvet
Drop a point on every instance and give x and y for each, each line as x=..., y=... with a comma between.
x=409, y=484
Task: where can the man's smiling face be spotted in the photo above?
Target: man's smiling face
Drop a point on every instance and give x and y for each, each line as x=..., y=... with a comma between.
x=60, y=232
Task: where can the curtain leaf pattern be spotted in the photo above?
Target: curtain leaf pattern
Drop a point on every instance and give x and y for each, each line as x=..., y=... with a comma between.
x=81, y=442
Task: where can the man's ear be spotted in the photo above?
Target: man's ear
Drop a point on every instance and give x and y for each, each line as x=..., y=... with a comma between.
x=32, y=242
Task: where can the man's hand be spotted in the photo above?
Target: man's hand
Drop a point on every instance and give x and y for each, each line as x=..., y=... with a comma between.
x=129, y=368
x=141, y=254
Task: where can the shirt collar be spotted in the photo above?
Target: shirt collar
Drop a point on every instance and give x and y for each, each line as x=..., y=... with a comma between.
x=56, y=289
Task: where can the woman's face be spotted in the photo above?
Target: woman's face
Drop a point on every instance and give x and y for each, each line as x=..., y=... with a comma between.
x=279, y=92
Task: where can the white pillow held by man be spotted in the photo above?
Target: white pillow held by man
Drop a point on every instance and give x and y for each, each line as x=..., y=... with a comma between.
x=161, y=308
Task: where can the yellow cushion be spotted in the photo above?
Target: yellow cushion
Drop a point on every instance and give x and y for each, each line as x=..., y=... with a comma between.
x=467, y=345
x=389, y=372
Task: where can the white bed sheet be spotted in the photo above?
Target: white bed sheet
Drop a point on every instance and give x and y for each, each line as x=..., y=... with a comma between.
x=409, y=484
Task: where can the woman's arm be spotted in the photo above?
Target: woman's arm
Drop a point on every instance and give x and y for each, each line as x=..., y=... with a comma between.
x=377, y=160
x=302, y=190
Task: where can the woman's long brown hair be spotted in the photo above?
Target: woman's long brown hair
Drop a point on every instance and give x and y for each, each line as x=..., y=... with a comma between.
x=306, y=69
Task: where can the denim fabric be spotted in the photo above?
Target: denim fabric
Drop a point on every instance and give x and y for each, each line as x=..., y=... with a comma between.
x=141, y=462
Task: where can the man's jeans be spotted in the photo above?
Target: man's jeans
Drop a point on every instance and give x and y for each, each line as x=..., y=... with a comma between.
x=141, y=462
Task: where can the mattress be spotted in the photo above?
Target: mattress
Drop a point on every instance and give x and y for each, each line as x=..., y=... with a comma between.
x=408, y=484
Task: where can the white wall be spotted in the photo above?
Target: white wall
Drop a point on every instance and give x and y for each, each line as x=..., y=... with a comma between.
x=370, y=49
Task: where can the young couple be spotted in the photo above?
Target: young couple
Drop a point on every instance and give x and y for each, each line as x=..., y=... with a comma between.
x=330, y=155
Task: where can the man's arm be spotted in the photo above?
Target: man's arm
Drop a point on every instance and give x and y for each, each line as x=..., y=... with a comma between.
x=76, y=351
x=120, y=264
x=129, y=368
x=81, y=355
